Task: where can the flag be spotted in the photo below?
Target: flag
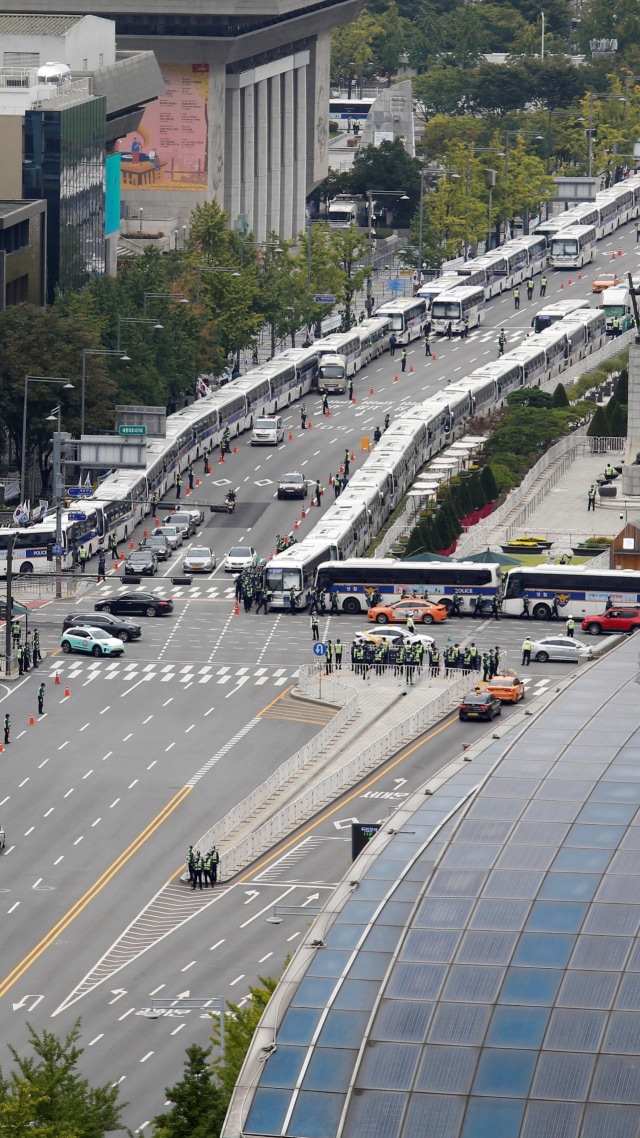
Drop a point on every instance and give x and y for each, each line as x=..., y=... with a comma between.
x=21, y=514
x=87, y=480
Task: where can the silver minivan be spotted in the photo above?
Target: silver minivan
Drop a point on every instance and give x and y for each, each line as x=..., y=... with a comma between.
x=267, y=431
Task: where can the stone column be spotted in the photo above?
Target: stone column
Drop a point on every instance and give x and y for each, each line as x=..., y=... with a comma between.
x=248, y=149
x=233, y=154
x=631, y=465
x=300, y=163
x=216, y=140
x=275, y=155
x=286, y=178
x=261, y=160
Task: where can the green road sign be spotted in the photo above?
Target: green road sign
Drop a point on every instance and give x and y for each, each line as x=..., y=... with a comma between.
x=132, y=429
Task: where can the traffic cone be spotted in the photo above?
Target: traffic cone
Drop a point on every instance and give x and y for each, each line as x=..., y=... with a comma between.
x=145, y=533
x=122, y=556
x=116, y=566
x=411, y=368
x=57, y=679
x=619, y=252
x=198, y=482
x=132, y=545
x=328, y=414
x=579, y=276
x=296, y=524
x=303, y=514
x=569, y=281
x=353, y=457
x=395, y=379
x=613, y=256
x=353, y=399
x=309, y=424
x=236, y=608
x=371, y=391
x=290, y=436
x=156, y=522
x=330, y=478
x=187, y=491
x=32, y=720
x=312, y=503
x=235, y=449
x=221, y=459
x=67, y=693
x=1, y=749
x=561, y=285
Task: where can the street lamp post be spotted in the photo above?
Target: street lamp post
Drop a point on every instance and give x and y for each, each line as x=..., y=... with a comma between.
x=95, y=352
x=55, y=416
x=212, y=269
x=66, y=383
x=527, y=133
x=156, y=295
x=134, y=320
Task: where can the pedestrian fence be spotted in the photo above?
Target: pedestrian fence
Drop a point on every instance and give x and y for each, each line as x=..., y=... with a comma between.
x=367, y=674
x=447, y=694
x=37, y=584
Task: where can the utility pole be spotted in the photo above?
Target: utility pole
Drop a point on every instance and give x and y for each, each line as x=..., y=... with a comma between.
x=421, y=227
x=9, y=620
x=57, y=495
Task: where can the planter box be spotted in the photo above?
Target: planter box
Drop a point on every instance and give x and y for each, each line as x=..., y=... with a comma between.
x=608, y=491
x=588, y=550
x=525, y=549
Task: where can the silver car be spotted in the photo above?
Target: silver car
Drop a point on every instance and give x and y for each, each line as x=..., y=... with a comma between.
x=172, y=534
x=560, y=648
x=199, y=559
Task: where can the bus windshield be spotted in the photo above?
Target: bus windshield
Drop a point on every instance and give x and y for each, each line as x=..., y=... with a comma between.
x=282, y=580
x=331, y=371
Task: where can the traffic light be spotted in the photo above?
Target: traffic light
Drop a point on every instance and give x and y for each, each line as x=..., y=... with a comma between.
x=49, y=551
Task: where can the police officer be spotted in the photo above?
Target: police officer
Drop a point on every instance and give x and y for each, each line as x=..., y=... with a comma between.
x=609, y=472
x=41, y=699
x=387, y=421
x=345, y=464
x=7, y=729
x=570, y=626
x=477, y=606
x=591, y=499
x=554, y=609
x=214, y=862
x=338, y=652
x=178, y=483
x=292, y=599
x=113, y=546
x=303, y=416
x=26, y=657
x=456, y=605
x=15, y=632
x=325, y=404
x=516, y=298
x=313, y=601
x=377, y=435
x=474, y=657
x=336, y=487
x=262, y=599
x=334, y=610
x=427, y=344
x=350, y=388
x=191, y=865
x=315, y=627
x=198, y=868
x=525, y=614
x=502, y=339
x=328, y=658
x=35, y=644
x=318, y=492
x=20, y=659
x=486, y=667
x=496, y=661
x=393, y=343
x=530, y=287
x=466, y=660
x=102, y=567
x=82, y=557
x=403, y=359
x=527, y=645
x=434, y=660
x=495, y=607
x=322, y=601
x=190, y=475
x=410, y=624
x=543, y=285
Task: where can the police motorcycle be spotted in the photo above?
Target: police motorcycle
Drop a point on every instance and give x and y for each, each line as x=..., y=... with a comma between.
x=226, y=507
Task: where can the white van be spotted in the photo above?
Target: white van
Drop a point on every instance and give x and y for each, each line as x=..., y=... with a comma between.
x=332, y=374
x=267, y=431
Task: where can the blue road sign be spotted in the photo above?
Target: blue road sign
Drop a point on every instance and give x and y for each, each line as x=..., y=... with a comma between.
x=76, y=516
x=325, y=298
x=80, y=491
x=394, y=284
x=57, y=550
x=319, y=648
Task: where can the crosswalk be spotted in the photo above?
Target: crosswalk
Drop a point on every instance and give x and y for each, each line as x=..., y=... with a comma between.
x=113, y=588
x=186, y=674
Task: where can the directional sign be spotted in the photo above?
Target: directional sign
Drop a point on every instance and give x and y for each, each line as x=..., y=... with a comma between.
x=57, y=550
x=80, y=491
x=319, y=649
x=325, y=298
x=394, y=284
x=132, y=429
x=361, y=835
x=76, y=516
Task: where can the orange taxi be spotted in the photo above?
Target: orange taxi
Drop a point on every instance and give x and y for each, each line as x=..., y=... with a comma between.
x=508, y=689
x=605, y=280
x=423, y=612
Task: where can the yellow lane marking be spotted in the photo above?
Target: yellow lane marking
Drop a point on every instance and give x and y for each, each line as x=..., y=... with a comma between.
x=276, y=700
x=93, y=891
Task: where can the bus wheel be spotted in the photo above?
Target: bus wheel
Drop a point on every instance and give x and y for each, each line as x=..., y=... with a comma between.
x=352, y=606
x=541, y=612
x=25, y=568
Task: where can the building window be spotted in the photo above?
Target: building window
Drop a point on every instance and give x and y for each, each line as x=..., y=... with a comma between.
x=101, y=60
x=23, y=59
x=17, y=292
x=15, y=237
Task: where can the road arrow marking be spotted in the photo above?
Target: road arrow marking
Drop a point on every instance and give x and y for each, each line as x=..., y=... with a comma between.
x=400, y=782
x=118, y=993
x=251, y=893
x=30, y=996
x=310, y=898
x=344, y=823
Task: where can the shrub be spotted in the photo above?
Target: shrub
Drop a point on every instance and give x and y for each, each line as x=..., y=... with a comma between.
x=599, y=426
x=560, y=397
x=505, y=478
x=621, y=389
x=489, y=484
x=617, y=423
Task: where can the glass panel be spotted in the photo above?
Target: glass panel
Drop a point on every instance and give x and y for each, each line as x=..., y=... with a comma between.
x=329, y=962
x=433, y=1116
x=607, y=837
x=534, y=857
x=357, y=995
x=447, y=1070
x=588, y=989
x=560, y=1119
x=633, y=964
x=457, y=883
x=268, y=1111
x=521, y=1027
x=486, y=948
x=472, y=830
x=395, y=913
x=601, y=952
x=442, y=914
x=374, y=1115
x=388, y=1066
x=505, y=915
x=283, y=1067
x=404, y=1022
x=625, y=861
x=582, y=859
x=540, y=833
x=357, y=913
x=541, y=810
x=313, y=993
x=556, y=916
x=548, y=949
x=504, y=1073
x=429, y=945
x=462, y=856
x=575, y=1030
x=563, y=1076
x=616, y=792
x=618, y=887
x=369, y=966
x=623, y=1033
x=459, y=1023
x=329, y=1070
x=384, y=869
x=343, y=936
x=316, y=1115
x=569, y=886
x=298, y=1025
x=617, y=1079
x=559, y=790
x=611, y=813
x=615, y=919
x=610, y=1122
x=631, y=840
x=531, y=986
x=343, y=1029
x=493, y=1118
x=416, y=981
x=383, y=938
x=469, y=983
x=629, y=994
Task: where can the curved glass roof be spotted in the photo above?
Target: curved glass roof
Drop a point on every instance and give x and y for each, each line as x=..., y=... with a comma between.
x=483, y=978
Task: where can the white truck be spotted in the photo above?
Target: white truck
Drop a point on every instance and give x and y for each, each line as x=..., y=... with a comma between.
x=346, y=210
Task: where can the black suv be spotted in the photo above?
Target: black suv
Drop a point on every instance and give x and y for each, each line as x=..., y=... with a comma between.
x=124, y=629
x=480, y=705
x=146, y=604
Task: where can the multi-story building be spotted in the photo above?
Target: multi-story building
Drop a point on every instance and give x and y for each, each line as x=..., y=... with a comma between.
x=245, y=113
x=23, y=253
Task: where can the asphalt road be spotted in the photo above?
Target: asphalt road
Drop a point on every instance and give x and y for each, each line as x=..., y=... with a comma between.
x=101, y=797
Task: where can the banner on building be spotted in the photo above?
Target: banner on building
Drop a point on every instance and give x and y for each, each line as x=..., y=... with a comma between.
x=169, y=149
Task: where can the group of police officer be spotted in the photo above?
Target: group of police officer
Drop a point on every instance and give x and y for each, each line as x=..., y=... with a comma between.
x=398, y=658
x=202, y=869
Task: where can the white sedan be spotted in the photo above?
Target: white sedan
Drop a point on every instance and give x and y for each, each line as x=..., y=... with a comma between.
x=560, y=648
x=199, y=559
x=239, y=558
x=391, y=632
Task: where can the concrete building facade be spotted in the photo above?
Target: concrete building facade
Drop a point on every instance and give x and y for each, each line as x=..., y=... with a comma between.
x=23, y=253
x=245, y=115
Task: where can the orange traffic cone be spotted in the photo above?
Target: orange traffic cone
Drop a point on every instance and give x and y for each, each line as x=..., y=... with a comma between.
x=411, y=368
x=32, y=720
x=312, y=503
x=613, y=256
x=57, y=679
x=303, y=515
x=145, y=533
x=579, y=276
x=309, y=424
x=290, y=436
x=330, y=478
x=619, y=252
x=1, y=749
x=561, y=285
x=371, y=391
x=569, y=281
x=296, y=524
x=187, y=491
x=132, y=545
x=353, y=400
x=116, y=566
x=353, y=457
x=221, y=459
x=198, y=482
x=67, y=693
x=236, y=608
x=235, y=449
x=395, y=379
x=434, y=357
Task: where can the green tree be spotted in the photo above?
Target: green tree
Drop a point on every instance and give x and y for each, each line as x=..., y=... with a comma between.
x=621, y=390
x=240, y=1026
x=46, y=1091
x=280, y=299
x=599, y=426
x=560, y=397
x=384, y=168
x=352, y=51
x=489, y=483
x=476, y=490
x=529, y=397
x=444, y=90
x=617, y=422
x=198, y=1104
x=319, y=272
x=349, y=247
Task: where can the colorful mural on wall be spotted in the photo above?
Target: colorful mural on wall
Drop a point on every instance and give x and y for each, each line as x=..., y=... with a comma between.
x=169, y=149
